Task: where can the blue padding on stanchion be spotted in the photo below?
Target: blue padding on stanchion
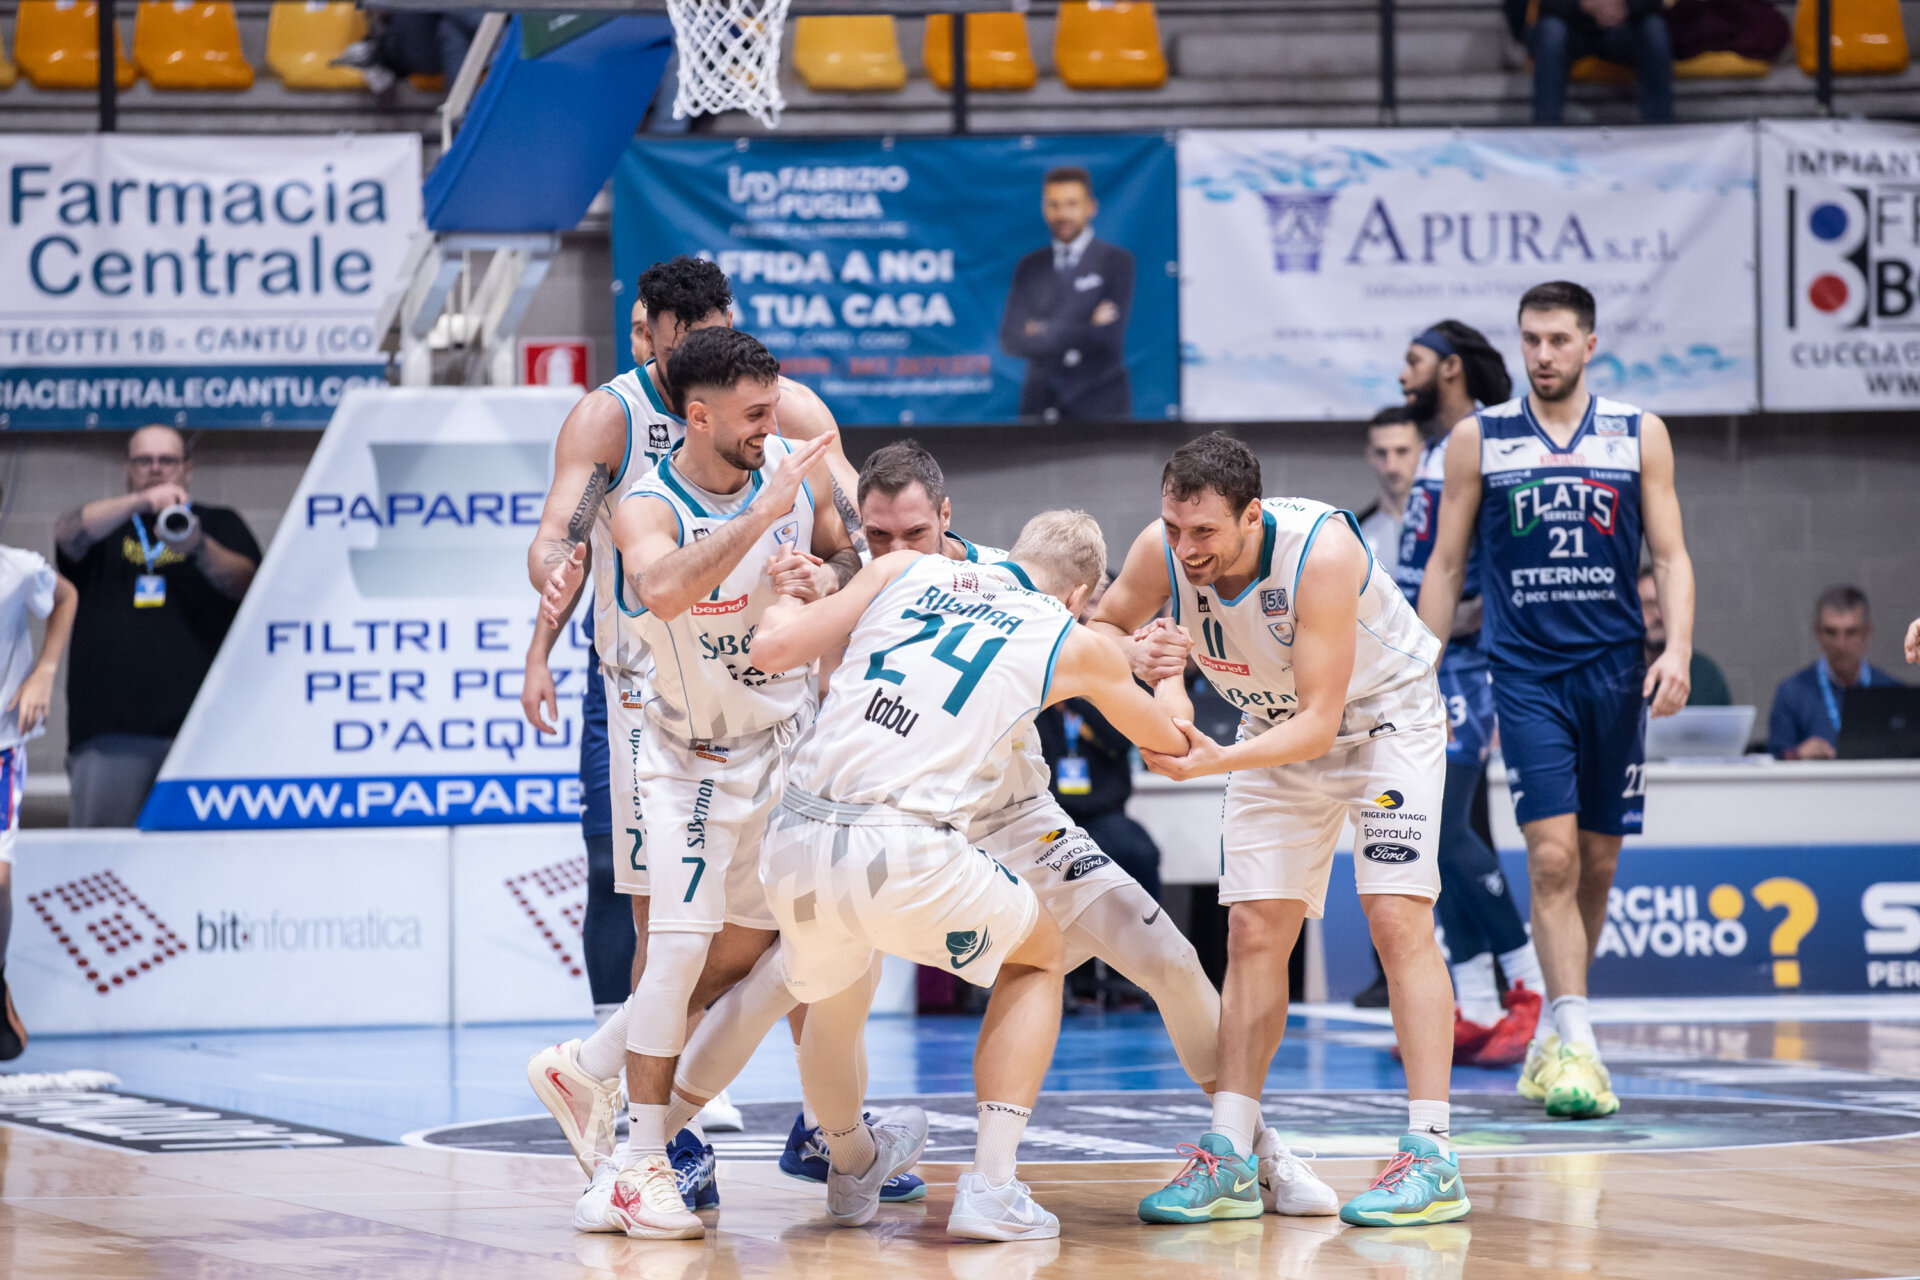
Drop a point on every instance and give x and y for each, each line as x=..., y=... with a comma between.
x=544, y=133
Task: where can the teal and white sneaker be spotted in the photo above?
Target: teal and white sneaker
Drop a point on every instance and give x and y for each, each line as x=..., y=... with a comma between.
x=1215, y=1184
x=1422, y=1185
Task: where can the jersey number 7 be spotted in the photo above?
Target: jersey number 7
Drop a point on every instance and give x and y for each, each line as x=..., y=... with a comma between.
x=946, y=651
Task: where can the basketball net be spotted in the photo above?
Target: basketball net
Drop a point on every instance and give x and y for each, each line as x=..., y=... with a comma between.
x=729, y=57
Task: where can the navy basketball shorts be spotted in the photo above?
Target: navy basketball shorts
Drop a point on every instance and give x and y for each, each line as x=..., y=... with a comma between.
x=1467, y=690
x=1575, y=742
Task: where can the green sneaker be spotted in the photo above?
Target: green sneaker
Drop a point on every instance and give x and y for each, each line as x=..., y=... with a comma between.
x=1421, y=1186
x=1536, y=1075
x=1580, y=1087
x=1215, y=1184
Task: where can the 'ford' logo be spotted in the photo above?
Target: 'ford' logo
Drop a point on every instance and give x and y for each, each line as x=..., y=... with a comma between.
x=1390, y=853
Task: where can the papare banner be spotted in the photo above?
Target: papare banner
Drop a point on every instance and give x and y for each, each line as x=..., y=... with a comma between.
x=372, y=677
x=201, y=281
x=1308, y=259
x=1840, y=264
x=916, y=279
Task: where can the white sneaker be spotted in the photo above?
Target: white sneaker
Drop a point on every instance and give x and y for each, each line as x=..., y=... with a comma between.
x=587, y=1109
x=646, y=1203
x=1287, y=1185
x=591, y=1210
x=898, y=1139
x=721, y=1115
x=981, y=1212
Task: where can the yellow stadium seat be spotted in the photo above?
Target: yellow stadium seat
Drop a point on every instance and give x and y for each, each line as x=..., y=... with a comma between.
x=1719, y=64
x=305, y=36
x=1112, y=46
x=7, y=72
x=998, y=53
x=190, y=44
x=428, y=84
x=57, y=43
x=1869, y=38
x=846, y=54
x=1599, y=71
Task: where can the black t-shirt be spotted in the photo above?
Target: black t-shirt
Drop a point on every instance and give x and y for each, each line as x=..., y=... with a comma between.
x=1106, y=751
x=137, y=669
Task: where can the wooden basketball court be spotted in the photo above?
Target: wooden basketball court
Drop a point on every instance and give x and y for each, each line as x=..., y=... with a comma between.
x=1766, y=1201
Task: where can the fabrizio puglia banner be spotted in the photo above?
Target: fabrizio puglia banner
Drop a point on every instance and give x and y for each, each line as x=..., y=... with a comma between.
x=1840, y=264
x=202, y=281
x=372, y=677
x=1308, y=259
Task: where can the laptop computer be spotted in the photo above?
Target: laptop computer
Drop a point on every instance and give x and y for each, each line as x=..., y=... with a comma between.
x=1880, y=722
x=1697, y=733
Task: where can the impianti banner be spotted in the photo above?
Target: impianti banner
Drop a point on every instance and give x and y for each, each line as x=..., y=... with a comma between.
x=202, y=281
x=926, y=279
x=372, y=677
x=1309, y=258
x=1839, y=251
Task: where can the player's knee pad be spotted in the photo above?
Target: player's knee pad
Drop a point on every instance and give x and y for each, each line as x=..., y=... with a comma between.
x=657, y=1013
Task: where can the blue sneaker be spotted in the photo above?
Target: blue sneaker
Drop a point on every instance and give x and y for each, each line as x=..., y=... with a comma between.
x=692, y=1162
x=806, y=1159
x=1422, y=1185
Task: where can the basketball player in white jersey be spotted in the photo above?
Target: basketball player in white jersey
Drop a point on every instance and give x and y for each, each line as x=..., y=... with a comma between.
x=1341, y=720
x=614, y=434
x=946, y=663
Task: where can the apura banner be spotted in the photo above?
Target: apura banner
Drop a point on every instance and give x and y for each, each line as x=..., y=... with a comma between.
x=1308, y=259
x=1840, y=264
x=372, y=677
x=917, y=279
x=202, y=281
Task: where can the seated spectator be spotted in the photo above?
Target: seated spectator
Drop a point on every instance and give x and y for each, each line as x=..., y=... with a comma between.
x=152, y=614
x=1393, y=451
x=1630, y=32
x=1805, y=721
x=1709, y=685
x=410, y=42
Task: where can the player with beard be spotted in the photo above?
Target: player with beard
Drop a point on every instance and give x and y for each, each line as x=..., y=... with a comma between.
x=1554, y=490
x=1450, y=370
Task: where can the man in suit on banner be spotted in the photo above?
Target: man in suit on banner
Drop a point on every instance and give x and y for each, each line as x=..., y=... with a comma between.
x=1067, y=311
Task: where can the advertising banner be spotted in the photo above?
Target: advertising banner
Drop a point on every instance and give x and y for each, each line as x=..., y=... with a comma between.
x=202, y=281
x=1308, y=259
x=916, y=280
x=372, y=677
x=1839, y=250
x=119, y=931
x=520, y=895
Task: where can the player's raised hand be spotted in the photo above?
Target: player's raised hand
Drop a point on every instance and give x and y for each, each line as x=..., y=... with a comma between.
x=562, y=585
x=1668, y=683
x=1913, y=641
x=1159, y=651
x=536, y=692
x=1204, y=756
x=778, y=493
x=800, y=575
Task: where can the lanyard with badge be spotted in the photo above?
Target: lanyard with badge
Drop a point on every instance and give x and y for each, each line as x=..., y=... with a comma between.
x=150, y=588
x=1070, y=771
x=1827, y=685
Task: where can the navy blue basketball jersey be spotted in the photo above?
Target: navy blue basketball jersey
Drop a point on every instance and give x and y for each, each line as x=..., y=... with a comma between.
x=1560, y=533
x=1417, y=528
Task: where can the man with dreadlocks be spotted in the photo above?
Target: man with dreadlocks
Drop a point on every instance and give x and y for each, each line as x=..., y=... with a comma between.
x=1451, y=370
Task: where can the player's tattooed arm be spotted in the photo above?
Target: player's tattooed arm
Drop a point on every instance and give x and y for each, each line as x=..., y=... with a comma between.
x=844, y=563
x=850, y=516
x=580, y=523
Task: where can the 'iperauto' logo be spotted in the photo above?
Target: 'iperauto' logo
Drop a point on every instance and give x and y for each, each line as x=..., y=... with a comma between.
x=106, y=930
x=555, y=900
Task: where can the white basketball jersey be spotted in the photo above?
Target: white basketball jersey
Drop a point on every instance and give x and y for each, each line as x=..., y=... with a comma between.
x=932, y=709
x=1245, y=644
x=652, y=431
x=704, y=683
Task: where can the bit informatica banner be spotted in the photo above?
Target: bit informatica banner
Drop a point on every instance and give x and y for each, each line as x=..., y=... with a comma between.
x=1309, y=258
x=929, y=280
x=202, y=281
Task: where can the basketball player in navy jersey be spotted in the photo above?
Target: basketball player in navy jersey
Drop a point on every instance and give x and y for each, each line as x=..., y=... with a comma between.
x=1556, y=488
x=1449, y=371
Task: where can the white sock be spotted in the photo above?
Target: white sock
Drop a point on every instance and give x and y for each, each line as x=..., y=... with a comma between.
x=1522, y=965
x=680, y=1114
x=995, y=1153
x=852, y=1151
x=603, y=1053
x=601, y=1012
x=646, y=1132
x=1236, y=1117
x=1474, y=989
x=1429, y=1120
x=806, y=1108
x=1570, y=1015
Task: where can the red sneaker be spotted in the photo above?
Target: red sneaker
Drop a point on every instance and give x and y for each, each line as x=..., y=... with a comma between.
x=1468, y=1036
x=1507, y=1045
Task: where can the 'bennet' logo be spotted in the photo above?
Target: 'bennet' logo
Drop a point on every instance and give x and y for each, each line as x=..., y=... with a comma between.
x=707, y=608
x=1230, y=668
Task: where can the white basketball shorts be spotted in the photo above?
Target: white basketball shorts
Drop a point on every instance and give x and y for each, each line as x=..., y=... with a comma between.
x=626, y=730
x=13, y=788
x=1280, y=826
x=1038, y=842
x=845, y=881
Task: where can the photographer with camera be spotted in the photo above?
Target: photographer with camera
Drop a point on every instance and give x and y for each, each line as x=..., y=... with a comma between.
x=160, y=579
